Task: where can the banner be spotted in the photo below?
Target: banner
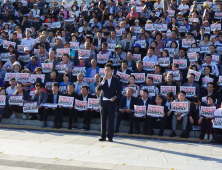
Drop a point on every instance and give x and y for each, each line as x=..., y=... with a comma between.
x=197, y=74
x=137, y=57
x=171, y=13
x=24, y=57
x=48, y=85
x=2, y=100
x=192, y=56
x=190, y=91
x=93, y=103
x=61, y=51
x=10, y=75
x=111, y=46
x=61, y=68
x=204, y=49
x=63, y=89
x=181, y=62
x=65, y=101
x=171, y=51
x=155, y=111
x=165, y=89
x=102, y=58
x=139, y=9
x=124, y=88
x=50, y=105
x=88, y=80
x=149, y=27
x=139, y=111
x=157, y=79
x=139, y=77
x=102, y=72
x=23, y=77
x=206, y=80
x=35, y=76
x=15, y=100
x=176, y=74
x=21, y=48
x=79, y=69
x=30, y=107
x=56, y=24
x=124, y=78
x=190, y=20
x=187, y=43
x=7, y=43
x=215, y=26
x=4, y=56
x=164, y=61
x=137, y=29
x=81, y=105
x=151, y=89
x=193, y=49
x=142, y=43
x=160, y=27
x=46, y=67
x=217, y=123
x=74, y=46
x=148, y=65
x=207, y=111
x=84, y=53
x=179, y=106
x=182, y=28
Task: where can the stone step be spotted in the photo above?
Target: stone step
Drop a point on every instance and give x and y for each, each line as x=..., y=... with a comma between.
x=93, y=126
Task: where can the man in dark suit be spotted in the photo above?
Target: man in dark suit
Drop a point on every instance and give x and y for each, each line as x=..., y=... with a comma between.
x=88, y=112
x=129, y=59
x=126, y=107
x=195, y=116
x=53, y=98
x=200, y=34
x=143, y=101
x=41, y=97
x=110, y=90
x=97, y=42
x=124, y=68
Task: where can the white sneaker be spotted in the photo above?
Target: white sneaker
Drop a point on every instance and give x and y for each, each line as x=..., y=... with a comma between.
x=24, y=117
x=13, y=116
x=206, y=136
x=211, y=137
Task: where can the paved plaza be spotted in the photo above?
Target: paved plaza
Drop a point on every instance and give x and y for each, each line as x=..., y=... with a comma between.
x=32, y=150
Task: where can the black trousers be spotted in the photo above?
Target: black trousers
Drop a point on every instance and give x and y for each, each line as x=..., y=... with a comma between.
x=107, y=110
x=125, y=116
x=57, y=115
x=152, y=120
x=137, y=123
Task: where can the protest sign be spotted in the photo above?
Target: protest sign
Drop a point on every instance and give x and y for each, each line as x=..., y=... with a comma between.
x=217, y=123
x=48, y=24
x=206, y=80
x=197, y=74
x=171, y=13
x=46, y=67
x=93, y=103
x=179, y=106
x=61, y=51
x=139, y=111
x=84, y=53
x=102, y=58
x=30, y=107
x=56, y=24
x=124, y=78
x=88, y=80
x=215, y=58
x=204, y=49
x=137, y=57
x=155, y=111
x=164, y=61
x=74, y=46
x=111, y=46
x=181, y=62
x=124, y=88
x=139, y=77
x=220, y=81
x=2, y=100
x=4, y=56
x=137, y=29
x=207, y=111
x=65, y=101
x=24, y=57
x=102, y=72
x=192, y=56
x=182, y=28
x=190, y=91
x=149, y=27
x=116, y=61
x=157, y=79
x=160, y=27
x=81, y=105
x=63, y=89
x=171, y=51
x=48, y=85
x=176, y=74
x=139, y=9
x=61, y=68
x=151, y=89
x=142, y=43
x=215, y=26
x=36, y=51
x=186, y=43
x=193, y=49
x=35, y=76
x=10, y=75
x=118, y=33
x=78, y=69
x=165, y=89
x=148, y=65
x=23, y=77
x=50, y=105
x=7, y=43
x=21, y=48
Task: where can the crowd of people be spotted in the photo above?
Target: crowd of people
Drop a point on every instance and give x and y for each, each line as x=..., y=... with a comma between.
x=161, y=52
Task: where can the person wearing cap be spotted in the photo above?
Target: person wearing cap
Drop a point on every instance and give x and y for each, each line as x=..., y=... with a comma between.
x=195, y=5
x=183, y=8
x=58, y=43
x=9, y=64
x=136, y=50
x=19, y=17
x=35, y=10
x=16, y=67
x=119, y=53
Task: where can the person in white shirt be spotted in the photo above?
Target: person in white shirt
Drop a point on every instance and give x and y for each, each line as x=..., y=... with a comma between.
x=28, y=40
x=35, y=10
x=150, y=56
x=9, y=64
x=11, y=89
x=183, y=7
x=158, y=4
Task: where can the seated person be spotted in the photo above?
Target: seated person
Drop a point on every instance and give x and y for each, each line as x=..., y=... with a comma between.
x=41, y=97
x=126, y=108
x=169, y=82
x=124, y=68
x=78, y=84
x=139, y=69
x=144, y=100
x=93, y=85
x=3, y=109
x=149, y=82
x=33, y=64
x=53, y=98
x=151, y=120
x=130, y=61
x=217, y=131
x=88, y=112
x=66, y=81
x=177, y=116
x=11, y=89
x=92, y=71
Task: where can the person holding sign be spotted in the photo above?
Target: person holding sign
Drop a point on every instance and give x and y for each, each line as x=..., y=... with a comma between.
x=130, y=61
x=207, y=121
x=208, y=62
x=143, y=101
x=92, y=71
x=78, y=84
x=169, y=82
x=41, y=97
x=217, y=130
x=110, y=90
x=207, y=71
x=52, y=59
x=191, y=83
x=177, y=116
x=126, y=107
x=3, y=108
x=152, y=120
x=150, y=56
x=11, y=89
x=53, y=98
